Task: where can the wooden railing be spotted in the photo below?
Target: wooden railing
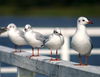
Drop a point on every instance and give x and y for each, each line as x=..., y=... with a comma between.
x=29, y=67
x=64, y=51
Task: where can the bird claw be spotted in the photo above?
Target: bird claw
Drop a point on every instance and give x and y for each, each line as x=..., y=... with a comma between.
x=57, y=59
x=14, y=52
x=52, y=60
x=85, y=64
x=31, y=56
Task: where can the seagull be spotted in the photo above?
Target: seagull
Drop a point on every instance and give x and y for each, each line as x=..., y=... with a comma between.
x=81, y=42
x=2, y=30
x=35, y=39
x=54, y=41
x=16, y=36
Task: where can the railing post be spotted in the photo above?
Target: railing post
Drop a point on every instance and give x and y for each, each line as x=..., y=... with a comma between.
x=65, y=54
x=25, y=73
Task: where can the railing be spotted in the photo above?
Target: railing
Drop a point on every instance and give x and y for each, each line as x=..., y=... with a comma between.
x=64, y=51
x=29, y=67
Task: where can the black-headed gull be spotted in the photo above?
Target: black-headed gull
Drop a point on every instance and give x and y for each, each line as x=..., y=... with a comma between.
x=54, y=41
x=2, y=30
x=16, y=36
x=33, y=38
x=81, y=42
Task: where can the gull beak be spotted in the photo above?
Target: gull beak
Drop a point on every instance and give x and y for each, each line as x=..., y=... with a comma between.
x=60, y=34
x=5, y=28
x=25, y=29
x=89, y=22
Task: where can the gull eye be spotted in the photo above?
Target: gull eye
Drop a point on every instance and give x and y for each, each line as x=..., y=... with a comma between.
x=28, y=27
x=55, y=32
x=83, y=20
x=79, y=21
x=10, y=26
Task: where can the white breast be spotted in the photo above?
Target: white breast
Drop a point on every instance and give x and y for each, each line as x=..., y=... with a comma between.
x=31, y=39
x=16, y=38
x=55, y=42
x=81, y=43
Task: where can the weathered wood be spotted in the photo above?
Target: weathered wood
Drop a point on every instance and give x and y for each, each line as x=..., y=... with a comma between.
x=25, y=73
x=43, y=65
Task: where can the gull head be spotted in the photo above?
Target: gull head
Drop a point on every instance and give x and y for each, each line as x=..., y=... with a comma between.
x=28, y=27
x=83, y=21
x=11, y=26
x=57, y=31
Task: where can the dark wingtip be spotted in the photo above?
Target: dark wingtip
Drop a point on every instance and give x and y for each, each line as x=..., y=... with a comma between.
x=2, y=30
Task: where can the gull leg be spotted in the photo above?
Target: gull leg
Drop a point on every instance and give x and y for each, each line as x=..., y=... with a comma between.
x=38, y=51
x=79, y=60
x=51, y=56
x=32, y=53
x=15, y=49
x=86, y=60
x=56, y=55
x=20, y=48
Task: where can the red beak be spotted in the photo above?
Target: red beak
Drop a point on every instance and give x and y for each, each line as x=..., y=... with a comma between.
x=25, y=29
x=60, y=34
x=6, y=28
x=90, y=22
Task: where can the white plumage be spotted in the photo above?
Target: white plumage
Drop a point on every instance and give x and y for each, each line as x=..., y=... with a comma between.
x=16, y=36
x=35, y=39
x=55, y=41
x=81, y=42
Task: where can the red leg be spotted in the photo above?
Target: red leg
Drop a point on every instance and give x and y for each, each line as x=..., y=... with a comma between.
x=20, y=48
x=79, y=60
x=86, y=60
x=32, y=53
x=51, y=56
x=15, y=49
x=56, y=55
x=38, y=51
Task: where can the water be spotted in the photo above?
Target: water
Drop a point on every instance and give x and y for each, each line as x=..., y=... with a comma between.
x=45, y=22
x=49, y=22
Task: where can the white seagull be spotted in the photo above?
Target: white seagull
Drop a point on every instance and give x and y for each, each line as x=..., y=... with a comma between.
x=16, y=36
x=81, y=42
x=54, y=41
x=33, y=38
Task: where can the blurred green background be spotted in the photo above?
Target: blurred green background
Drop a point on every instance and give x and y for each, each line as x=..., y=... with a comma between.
x=71, y=8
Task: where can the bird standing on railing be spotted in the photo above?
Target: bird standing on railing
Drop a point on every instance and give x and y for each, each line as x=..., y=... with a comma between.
x=2, y=30
x=55, y=41
x=16, y=36
x=81, y=42
x=35, y=39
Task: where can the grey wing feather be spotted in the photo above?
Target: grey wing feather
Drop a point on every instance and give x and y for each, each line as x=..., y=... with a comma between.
x=39, y=37
x=91, y=44
x=21, y=33
x=48, y=37
x=2, y=30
